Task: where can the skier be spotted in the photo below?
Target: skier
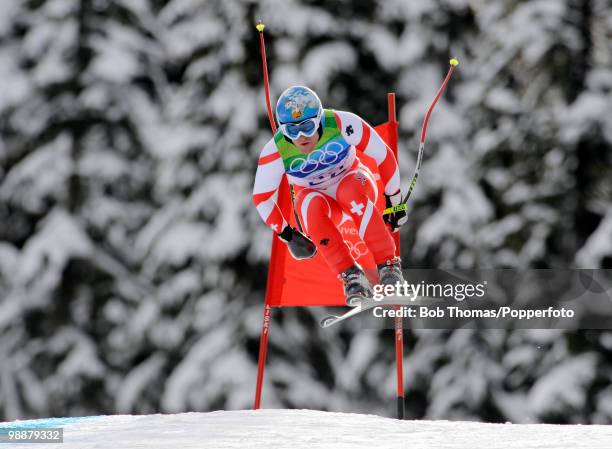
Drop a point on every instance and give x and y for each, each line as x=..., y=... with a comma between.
x=318, y=149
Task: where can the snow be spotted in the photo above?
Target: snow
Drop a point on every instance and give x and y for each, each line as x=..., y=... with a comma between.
x=407, y=10
x=60, y=8
x=41, y=175
x=589, y=108
x=82, y=358
x=136, y=381
x=503, y=100
x=51, y=66
x=323, y=62
x=180, y=242
x=127, y=218
x=312, y=429
x=197, y=364
x=536, y=20
x=598, y=245
x=16, y=86
x=47, y=253
x=319, y=22
x=115, y=61
x=362, y=350
x=563, y=386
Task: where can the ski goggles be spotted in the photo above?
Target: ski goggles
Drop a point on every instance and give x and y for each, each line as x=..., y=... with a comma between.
x=307, y=127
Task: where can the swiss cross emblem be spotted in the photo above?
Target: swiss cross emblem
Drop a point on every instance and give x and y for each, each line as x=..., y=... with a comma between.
x=357, y=208
x=349, y=130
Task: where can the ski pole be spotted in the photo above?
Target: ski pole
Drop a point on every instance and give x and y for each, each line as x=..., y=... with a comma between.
x=404, y=204
x=260, y=27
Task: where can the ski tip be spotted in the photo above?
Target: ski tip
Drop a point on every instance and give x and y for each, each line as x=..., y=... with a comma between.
x=260, y=26
x=353, y=302
x=454, y=62
x=328, y=321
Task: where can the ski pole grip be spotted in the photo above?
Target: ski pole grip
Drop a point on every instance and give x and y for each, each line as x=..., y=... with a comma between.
x=398, y=208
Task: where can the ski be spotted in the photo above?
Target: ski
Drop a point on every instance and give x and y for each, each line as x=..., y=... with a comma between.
x=362, y=306
x=355, y=300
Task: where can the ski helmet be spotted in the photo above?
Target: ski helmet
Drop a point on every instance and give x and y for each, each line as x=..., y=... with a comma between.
x=299, y=104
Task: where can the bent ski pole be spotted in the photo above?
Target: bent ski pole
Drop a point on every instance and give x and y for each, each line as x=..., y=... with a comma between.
x=260, y=27
x=404, y=204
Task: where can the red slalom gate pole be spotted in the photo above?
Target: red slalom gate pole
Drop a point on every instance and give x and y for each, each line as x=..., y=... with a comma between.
x=263, y=341
x=399, y=337
x=263, y=349
x=399, y=334
x=399, y=357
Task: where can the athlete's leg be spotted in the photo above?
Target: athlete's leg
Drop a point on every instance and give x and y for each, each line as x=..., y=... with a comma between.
x=356, y=194
x=318, y=214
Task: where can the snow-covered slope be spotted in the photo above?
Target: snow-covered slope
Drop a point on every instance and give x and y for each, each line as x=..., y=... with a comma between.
x=272, y=429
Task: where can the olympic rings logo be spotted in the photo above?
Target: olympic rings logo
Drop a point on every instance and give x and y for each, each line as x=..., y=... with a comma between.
x=357, y=249
x=326, y=156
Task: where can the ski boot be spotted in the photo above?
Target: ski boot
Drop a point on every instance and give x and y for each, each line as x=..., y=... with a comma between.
x=356, y=285
x=390, y=272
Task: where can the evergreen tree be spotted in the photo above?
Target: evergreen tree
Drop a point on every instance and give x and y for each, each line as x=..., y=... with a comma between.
x=133, y=264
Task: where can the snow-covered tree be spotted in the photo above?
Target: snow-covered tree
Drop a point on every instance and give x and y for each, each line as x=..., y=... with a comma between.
x=133, y=265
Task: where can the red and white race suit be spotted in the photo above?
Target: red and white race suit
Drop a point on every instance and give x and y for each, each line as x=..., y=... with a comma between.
x=330, y=182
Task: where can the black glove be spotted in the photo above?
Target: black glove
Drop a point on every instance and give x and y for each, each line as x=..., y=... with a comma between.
x=397, y=218
x=300, y=246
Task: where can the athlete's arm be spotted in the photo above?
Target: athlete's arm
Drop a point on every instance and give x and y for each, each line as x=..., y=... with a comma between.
x=268, y=177
x=366, y=140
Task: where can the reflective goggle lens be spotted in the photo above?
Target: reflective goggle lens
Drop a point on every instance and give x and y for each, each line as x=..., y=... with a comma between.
x=307, y=127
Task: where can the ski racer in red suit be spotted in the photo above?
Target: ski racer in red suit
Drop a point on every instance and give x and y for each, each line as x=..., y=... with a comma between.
x=318, y=149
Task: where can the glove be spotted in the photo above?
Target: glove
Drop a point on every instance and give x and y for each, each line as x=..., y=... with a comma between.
x=300, y=246
x=395, y=219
